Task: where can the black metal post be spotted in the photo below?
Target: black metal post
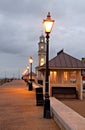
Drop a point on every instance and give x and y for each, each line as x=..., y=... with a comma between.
x=31, y=72
x=47, y=100
x=30, y=85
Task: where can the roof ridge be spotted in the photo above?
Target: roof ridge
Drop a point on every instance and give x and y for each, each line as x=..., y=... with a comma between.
x=73, y=57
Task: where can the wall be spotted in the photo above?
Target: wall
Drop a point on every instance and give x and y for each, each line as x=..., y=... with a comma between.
x=67, y=78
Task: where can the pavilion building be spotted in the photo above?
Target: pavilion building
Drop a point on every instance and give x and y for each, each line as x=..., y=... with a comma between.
x=64, y=70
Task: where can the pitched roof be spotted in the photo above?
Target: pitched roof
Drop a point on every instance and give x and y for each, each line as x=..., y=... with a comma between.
x=63, y=60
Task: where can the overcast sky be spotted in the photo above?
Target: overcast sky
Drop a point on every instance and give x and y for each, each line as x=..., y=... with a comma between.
x=21, y=27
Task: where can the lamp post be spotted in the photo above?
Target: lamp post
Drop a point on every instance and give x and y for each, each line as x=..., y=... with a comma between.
x=28, y=72
x=48, y=24
x=30, y=61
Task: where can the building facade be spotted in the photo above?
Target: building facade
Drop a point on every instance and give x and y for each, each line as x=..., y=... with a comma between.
x=41, y=51
x=41, y=56
x=64, y=71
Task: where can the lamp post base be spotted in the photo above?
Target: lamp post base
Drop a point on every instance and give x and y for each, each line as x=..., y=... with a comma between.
x=47, y=109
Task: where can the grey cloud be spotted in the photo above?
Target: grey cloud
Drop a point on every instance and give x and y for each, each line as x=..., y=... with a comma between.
x=21, y=25
x=20, y=7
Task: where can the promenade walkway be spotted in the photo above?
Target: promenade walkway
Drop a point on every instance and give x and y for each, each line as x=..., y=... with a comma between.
x=18, y=110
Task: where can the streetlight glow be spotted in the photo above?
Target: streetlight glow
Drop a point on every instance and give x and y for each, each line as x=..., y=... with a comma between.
x=48, y=23
x=30, y=60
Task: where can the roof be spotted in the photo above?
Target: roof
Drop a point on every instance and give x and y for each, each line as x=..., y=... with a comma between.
x=65, y=61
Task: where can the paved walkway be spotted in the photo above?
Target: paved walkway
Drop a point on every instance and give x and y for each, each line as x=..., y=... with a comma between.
x=18, y=110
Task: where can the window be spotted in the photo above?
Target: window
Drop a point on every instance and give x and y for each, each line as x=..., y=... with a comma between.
x=42, y=61
x=42, y=39
x=53, y=77
x=65, y=77
x=83, y=78
x=72, y=77
x=83, y=84
x=42, y=47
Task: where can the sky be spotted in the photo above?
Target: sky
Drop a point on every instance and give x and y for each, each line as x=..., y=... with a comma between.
x=21, y=27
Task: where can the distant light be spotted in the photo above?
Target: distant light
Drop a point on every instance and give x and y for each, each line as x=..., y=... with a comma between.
x=31, y=60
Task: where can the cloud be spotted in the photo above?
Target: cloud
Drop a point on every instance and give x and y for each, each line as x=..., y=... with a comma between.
x=21, y=25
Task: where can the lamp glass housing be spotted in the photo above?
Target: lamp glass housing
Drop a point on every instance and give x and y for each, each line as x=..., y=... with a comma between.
x=48, y=24
x=31, y=60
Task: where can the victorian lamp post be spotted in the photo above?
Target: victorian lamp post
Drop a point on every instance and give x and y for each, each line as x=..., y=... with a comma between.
x=48, y=24
x=30, y=61
x=28, y=72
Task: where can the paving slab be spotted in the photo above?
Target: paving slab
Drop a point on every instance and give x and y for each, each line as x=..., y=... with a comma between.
x=18, y=110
